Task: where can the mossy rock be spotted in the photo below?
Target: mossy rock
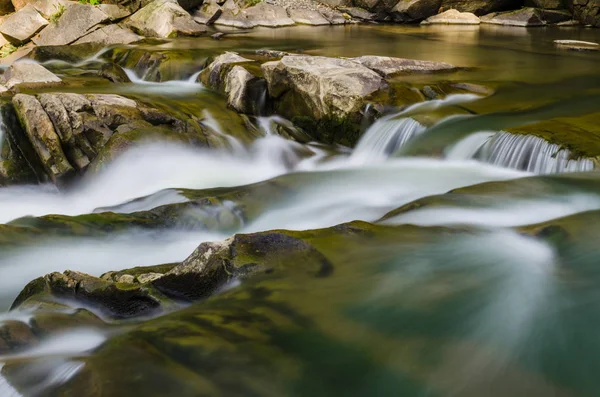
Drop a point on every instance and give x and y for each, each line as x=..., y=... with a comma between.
x=67, y=53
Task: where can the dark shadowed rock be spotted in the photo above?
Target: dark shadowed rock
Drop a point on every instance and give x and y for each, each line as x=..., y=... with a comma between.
x=415, y=10
x=114, y=73
x=586, y=11
x=480, y=7
x=546, y=4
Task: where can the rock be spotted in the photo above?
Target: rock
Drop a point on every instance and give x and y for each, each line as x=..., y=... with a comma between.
x=555, y=16
x=218, y=36
x=126, y=279
x=576, y=45
x=114, y=73
x=190, y=5
x=358, y=13
x=480, y=7
x=586, y=11
x=20, y=53
x=241, y=96
x=524, y=17
x=308, y=17
x=334, y=17
x=115, y=13
x=29, y=75
x=109, y=35
x=325, y=95
x=214, y=74
x=68, y=53
x=545, y=4
x=208, y=13
x=415, y=10
x=48, y=8
x=337, y=3
x=164, y=18
x=21, y=26
x=77, y=21
x=148, y=277
x=232, y=15
x=42, y=136
x=117, y=300
x=387, y=66
x=453, y=17
x=264, y=14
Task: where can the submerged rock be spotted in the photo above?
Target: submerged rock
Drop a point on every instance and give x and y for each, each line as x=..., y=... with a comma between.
x=21, y=26
x=164, y=18
x=453, y=17
x=576, y=45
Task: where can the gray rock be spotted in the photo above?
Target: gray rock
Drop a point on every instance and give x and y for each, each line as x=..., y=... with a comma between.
x=555, y=16
x=387, y=66
x=214, y=74
x=329, y=87
x=148, y=277
x=114, y=12
x=77, y=21
x=208, y=13
x=415, y=10
x=308, y=17
x=264, y=14
x=21, y=26
x=453, y=17
x=334, y=17
x=49, y=7
x=41, y=134
x=525, y=17
x=358, y=13
x=236, y=88
x=114, y=73
x=480, y=7
x=110, y=34
x=164, y=18
x=29, y=75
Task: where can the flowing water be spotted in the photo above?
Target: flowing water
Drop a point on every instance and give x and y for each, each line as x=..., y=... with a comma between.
x=478, y=277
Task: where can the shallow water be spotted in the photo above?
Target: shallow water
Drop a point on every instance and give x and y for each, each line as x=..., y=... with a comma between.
x=485, y=284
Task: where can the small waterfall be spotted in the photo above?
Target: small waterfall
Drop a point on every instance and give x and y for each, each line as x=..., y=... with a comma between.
x=530, y=153
x=384, y=137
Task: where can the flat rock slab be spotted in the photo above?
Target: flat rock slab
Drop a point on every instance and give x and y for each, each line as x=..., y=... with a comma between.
x=330, y=87
x=525, y=17
x=110, y=34
x=49, y=7
x=115, y=12
x=453, y=17
x=268, y=15
x=576, y=45
x=308, y=17
x=77, y=21
x=164, y=19
x=23, y=25
x=387, y=66
x=29, y=75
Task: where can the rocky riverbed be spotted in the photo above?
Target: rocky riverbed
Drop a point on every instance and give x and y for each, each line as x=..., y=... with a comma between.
x=202, y=198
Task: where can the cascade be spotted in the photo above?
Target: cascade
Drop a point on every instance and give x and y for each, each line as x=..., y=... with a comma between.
x=530, y=153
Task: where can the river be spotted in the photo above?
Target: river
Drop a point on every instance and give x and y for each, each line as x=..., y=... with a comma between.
x=474, y=276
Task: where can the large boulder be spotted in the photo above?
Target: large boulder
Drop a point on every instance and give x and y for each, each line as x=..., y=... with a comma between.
x=164, y=18
x=77, y=21
x=308, y=17
x=208, y=13
x=387, y=66
x=21, y=26
x=453, y=17
x=244, y=90
x=415, y=10
x=215, y=73
x=330, y=91
x=586, y=11
x=29, y=75
x=480, y=7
